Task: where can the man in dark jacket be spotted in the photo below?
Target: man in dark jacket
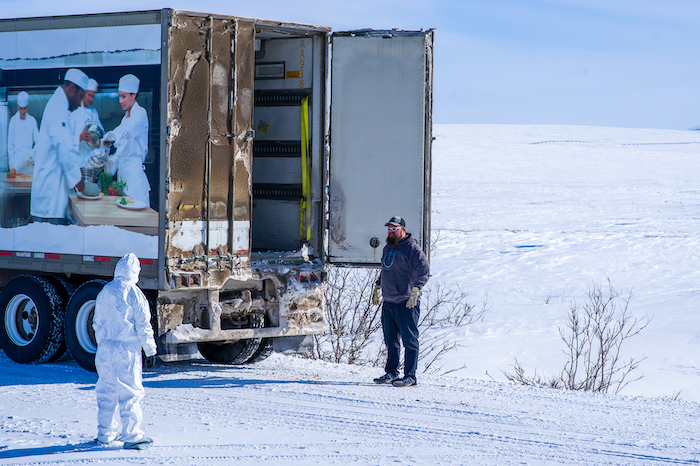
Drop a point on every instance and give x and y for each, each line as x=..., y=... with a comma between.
x=405, y=271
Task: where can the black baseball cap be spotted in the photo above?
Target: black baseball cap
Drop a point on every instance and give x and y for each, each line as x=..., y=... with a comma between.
x=396, y=221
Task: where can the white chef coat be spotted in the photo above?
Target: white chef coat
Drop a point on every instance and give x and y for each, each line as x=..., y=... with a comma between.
x=131, y=141
x=81, y=117
x=56, y=168
x=22, y=135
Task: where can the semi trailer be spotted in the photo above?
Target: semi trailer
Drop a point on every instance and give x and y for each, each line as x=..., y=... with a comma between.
x=274, y=150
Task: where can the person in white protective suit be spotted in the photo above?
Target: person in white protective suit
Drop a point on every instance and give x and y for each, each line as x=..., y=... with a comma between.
x=56, y=168
x=22, y=135
x=85, y=115
x=130, y=139
x=122, y=328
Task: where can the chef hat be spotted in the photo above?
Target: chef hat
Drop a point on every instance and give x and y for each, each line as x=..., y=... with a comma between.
x=92, y=85
x=22, y=99
x=129, y=83
x=77, y=77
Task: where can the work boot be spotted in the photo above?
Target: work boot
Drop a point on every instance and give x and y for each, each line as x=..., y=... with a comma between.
x=386, y=378
x=141, y=444
x=407, y=381
x=117, y=438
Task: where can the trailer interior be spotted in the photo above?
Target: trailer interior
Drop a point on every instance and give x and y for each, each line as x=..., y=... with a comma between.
x=288, y=147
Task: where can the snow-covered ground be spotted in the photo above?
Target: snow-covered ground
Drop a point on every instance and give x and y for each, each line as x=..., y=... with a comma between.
x=287, y=411
x=532, y=216
x=529, y=216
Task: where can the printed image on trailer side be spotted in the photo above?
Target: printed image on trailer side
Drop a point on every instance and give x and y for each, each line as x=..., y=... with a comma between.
x=38, y=213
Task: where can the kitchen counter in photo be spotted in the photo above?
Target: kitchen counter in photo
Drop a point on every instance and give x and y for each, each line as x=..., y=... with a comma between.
x=105, y=211
x=20, y=184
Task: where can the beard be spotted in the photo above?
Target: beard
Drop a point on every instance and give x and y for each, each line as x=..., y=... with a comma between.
x=392, y=240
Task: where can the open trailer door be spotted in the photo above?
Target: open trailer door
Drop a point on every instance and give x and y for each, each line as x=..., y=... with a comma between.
x=380, y=140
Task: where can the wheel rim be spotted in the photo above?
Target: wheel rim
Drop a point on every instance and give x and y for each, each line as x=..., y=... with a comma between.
x=84, y=332
x=21, y=320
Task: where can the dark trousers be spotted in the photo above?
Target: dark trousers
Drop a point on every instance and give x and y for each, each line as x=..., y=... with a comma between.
x=398, y=321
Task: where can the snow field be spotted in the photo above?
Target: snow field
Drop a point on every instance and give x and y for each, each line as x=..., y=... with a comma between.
x=532, y=216
x=529, y=227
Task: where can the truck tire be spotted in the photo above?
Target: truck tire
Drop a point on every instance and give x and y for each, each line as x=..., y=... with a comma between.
x=264, y=349
x=80, y=336
x=65, y=288
x=32, y=314
x=233, y=353
x=263, y=352
x=221, y=353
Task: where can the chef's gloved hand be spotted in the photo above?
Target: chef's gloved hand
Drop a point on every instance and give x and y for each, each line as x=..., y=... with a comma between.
x=91, y=189
x=375, y=294
x=413, y=300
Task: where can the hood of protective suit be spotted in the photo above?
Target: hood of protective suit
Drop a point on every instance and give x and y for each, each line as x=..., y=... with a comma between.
x=128, y=268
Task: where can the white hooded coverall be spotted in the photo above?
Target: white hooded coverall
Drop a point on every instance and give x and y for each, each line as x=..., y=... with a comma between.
x=131, y=141
x=122, y=327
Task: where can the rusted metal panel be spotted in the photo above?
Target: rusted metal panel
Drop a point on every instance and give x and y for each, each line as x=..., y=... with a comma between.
x=221, y=147
x=187, y=115
x=201, y=145
x=244, y=58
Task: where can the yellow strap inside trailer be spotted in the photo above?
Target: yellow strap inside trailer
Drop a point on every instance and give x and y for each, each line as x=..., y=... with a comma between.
x=305, y=210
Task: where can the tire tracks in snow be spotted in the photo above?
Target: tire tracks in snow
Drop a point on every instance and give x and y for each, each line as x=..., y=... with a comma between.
x=453, y=431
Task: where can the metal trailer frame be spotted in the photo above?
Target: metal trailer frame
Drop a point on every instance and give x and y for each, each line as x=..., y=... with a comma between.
x=198, y=285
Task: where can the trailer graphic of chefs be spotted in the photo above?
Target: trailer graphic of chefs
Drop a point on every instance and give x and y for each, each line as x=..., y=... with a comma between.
x=22, y=135
x=56, y=170
x=130, y=139
x=85, y=115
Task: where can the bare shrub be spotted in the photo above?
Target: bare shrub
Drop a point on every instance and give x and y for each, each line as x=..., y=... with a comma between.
x=675, y=396
x=535, y=380
x=594, y=336
x=442, y=310
x=354, y=334
x=353, y=320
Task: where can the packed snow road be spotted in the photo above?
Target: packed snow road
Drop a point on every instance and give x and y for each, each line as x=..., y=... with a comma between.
x=288, y=410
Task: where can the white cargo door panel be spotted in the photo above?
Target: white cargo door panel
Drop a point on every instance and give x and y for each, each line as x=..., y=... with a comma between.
x=380, y=140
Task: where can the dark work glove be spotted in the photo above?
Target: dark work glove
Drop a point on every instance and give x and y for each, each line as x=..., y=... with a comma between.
x=150, y=362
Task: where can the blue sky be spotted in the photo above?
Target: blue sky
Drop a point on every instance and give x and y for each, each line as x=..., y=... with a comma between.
x=585, y=62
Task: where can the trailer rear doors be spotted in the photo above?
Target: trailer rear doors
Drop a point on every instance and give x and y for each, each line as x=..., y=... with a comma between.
x=380, y=140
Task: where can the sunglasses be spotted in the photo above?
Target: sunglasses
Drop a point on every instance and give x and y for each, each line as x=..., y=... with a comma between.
x=392, y=228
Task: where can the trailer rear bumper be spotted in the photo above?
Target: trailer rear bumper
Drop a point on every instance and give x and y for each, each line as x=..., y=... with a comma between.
x=242, y=310
x=186, y=333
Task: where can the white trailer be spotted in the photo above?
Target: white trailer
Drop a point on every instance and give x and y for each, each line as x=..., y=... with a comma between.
x=274, y=149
